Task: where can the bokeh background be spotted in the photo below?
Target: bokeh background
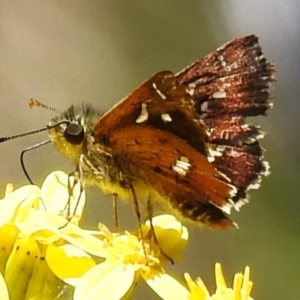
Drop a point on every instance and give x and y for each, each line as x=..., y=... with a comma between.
x=66, y=52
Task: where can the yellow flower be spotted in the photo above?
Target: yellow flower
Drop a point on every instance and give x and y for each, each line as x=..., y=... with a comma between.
x=240, y=291
x=36, y=232
x=129, y=258
x=24, y=238
x=41, y=242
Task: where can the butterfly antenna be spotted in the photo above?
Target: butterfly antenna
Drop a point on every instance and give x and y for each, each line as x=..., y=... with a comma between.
x=7, y=138
x=35, y=103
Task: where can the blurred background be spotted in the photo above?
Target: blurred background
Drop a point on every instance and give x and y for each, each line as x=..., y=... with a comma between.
x=66, y=52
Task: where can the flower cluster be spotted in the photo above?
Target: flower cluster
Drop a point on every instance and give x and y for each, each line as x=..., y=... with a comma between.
x=44, y=254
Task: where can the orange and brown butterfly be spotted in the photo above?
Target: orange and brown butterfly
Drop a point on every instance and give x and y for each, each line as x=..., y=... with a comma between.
x=179, y=138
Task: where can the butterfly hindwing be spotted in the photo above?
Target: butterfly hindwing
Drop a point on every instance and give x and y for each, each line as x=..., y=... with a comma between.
x=178, y=172
x=229, y=85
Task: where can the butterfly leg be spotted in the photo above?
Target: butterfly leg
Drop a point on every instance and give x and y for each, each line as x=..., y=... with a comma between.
x=152, y=230
x=67, y=209
x=79, y=198
x=138, y=214
x=150, y=217
x=71, y=214
x=115, y=208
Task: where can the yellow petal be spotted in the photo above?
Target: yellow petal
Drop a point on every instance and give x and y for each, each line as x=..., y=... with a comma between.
x=43, y=283
x=70, y=232
x=247, y=284
x=46, y=220
x=237, y=283
x=19, y=267
x=220, y=281
x=167, y=287
x=106, y=282
x=9, y=189
x=68, y=262
x=172, y=236
x=38, y=222
x=13, y=203
x=83, y=240
x=8, y=236
x=197, y=288
x=56, y=195
x=3, y=289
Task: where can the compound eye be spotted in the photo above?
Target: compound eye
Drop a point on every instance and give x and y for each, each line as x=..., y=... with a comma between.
x=74, y=134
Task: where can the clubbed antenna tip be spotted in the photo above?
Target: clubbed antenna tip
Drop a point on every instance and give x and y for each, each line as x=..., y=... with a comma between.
x=32, y=103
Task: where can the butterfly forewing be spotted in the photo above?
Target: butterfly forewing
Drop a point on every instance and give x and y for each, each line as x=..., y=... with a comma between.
x=156, y=103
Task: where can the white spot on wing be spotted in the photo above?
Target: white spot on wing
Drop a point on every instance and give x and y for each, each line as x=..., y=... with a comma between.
x=181, y=166
x=260, y=135
x=191, y=88
x=220, y=57
x=161, y=95
x=204, y=106
x=210, y=159
x=255, y=184
x=219, y=94
x=235, y=225
x=233, y=190
x=239, y=204
x=227, y=68
x=267, y=168
x=226, y=208
x=226, y=177
x=190, y=92
x=144, y=114
x=166, y=118
x=213, y=152
x=192, y=85
x=179, y=170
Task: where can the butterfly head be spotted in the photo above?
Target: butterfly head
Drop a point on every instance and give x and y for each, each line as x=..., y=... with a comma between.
x=73, y=130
